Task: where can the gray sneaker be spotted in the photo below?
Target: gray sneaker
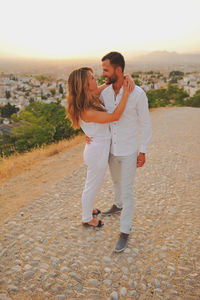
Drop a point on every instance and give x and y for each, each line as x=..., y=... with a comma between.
x=113, y=210
x=122, y=242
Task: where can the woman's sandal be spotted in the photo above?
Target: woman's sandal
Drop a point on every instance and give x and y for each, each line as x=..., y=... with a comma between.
x=96, y=212
x=99, y=224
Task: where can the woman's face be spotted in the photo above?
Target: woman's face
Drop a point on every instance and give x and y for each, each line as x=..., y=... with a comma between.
x=92, y=82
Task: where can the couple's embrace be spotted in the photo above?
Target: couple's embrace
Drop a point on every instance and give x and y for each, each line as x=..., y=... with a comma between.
x=109, y=115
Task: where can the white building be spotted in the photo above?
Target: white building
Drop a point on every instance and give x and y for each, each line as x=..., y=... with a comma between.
x=190, y=90
x=3, y=101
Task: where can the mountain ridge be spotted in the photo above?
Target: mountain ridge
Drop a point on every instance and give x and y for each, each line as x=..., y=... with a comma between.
x=64, y=66
x=169, y=57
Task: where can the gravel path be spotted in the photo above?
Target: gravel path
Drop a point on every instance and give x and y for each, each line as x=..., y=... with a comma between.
x=45, y=252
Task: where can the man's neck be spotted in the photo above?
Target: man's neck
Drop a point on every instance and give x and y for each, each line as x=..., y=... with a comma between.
x=118, y=84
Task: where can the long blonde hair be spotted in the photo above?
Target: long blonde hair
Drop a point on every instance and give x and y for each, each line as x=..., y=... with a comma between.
x=79, y=97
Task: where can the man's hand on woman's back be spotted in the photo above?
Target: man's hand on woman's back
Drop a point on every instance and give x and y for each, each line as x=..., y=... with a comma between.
x=88, y=139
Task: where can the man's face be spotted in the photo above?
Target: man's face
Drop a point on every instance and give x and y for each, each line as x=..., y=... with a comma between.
x=109, y=72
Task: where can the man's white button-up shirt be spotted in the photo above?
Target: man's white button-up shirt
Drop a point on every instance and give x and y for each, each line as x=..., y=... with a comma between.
x=125, y=132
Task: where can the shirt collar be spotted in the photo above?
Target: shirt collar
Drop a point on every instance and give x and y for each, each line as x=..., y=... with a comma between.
x=120, y=91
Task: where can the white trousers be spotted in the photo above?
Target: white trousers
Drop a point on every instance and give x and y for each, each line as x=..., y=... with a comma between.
x=123, y=169
x=96, y=157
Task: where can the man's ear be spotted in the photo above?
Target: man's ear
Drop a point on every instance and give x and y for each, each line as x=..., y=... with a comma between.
x=118, y=70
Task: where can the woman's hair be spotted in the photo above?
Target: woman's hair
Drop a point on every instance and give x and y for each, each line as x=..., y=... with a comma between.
x=79, y=97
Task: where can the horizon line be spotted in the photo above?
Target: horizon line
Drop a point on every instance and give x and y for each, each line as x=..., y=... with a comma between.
x=129, y=55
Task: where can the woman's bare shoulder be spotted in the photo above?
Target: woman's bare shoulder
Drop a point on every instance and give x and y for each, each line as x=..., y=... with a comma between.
x=87, y=114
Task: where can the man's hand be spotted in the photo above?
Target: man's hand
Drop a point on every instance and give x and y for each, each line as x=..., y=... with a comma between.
x=140, y=160
x=88, y=139
x=129, y=81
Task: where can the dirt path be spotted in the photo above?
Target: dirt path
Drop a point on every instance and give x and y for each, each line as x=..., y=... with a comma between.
x=21, y=189
x=46, y=253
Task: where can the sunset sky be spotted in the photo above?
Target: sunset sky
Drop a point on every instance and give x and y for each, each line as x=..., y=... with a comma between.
x=91, y=28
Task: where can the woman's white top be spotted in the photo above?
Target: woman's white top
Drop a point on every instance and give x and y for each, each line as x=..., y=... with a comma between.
x=96, y=130
x=97, y=152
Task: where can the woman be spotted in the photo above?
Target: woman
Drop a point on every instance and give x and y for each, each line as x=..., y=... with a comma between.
x=85, y=110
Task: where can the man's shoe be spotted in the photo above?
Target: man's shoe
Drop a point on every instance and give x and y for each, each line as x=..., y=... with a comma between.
x=122, y=242
x=113, y=210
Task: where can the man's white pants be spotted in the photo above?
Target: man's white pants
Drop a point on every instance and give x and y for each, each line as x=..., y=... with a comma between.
x=123, y=169
x=96, y=158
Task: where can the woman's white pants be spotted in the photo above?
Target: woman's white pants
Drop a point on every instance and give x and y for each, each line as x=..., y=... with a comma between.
x=96, y=157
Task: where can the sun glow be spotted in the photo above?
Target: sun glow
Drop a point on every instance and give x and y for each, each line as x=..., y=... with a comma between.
x=71, y=29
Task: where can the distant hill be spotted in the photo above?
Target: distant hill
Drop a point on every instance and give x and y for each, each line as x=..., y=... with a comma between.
x=159, y=60
x=164, y=61
x=51, y=66
x=166, y=57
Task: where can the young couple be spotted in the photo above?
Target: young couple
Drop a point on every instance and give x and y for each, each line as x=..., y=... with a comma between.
x=109, y=115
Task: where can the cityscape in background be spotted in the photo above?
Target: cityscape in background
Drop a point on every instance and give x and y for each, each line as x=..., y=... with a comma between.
x=33, y=93
x=23, y=81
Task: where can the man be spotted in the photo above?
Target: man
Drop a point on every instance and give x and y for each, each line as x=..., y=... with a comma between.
x=124, y=157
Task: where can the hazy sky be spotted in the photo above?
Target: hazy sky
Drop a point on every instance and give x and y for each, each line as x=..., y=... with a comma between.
x=91, y=28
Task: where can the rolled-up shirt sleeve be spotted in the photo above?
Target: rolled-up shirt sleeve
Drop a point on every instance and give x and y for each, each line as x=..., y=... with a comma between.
x=142, y=110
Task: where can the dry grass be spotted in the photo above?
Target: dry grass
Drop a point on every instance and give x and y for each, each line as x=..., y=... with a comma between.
x=18, y=163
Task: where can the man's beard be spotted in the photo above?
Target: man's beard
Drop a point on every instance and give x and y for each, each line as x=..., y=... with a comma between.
x=112, y=79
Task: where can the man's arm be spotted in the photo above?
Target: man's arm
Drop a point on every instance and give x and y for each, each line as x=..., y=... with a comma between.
x=145, y=124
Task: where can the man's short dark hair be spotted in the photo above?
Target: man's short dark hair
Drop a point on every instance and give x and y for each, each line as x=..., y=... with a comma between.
x=116, y=59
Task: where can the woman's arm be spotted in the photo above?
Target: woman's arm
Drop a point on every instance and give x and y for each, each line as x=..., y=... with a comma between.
x=104, y=117
x=101, y=88
x=127, y=77
x=130, y=81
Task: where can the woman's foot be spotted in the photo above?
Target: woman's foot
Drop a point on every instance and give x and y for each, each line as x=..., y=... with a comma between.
x=96, y=212
x=95, y=223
